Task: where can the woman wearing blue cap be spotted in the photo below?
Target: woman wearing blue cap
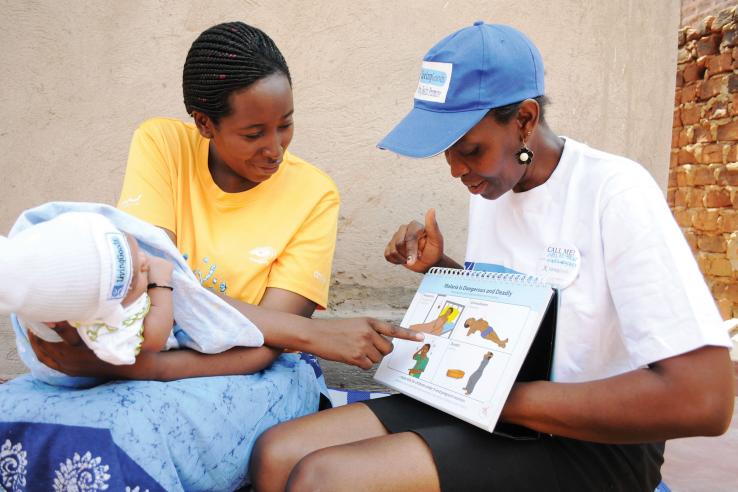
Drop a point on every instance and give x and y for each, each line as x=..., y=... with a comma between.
x=640, y=356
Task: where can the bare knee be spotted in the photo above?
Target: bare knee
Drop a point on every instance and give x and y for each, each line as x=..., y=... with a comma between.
x=271, y=460
x=315, y=471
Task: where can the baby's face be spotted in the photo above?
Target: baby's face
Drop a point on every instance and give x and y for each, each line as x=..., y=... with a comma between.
x=140, y=272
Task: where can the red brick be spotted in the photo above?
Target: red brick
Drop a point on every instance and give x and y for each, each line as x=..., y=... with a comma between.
x=690, y=91
x=719, y=266
x=672, y=178
x=732, y=83
x=726, y=310
x=705, y=220
x=719, y=63
x=692, y=35
x=681, y=37
x=678, y=96
x=717, y=110
x=717, y=198
x=670, y=192
x=679, y=198
x=704, y=133
x=695, y=198
x=726, y=290
x=711, y=244
x=709, y=45
x=679, y=78
x=728, y=175
x=728, y=131
x=699, y=175
x=681, y=177
x=712, y=154
x=692, y=71
x=690, y=114
x=675, y=137
x=712, y=87
x=703, y=175
x=676, y=120
x=732, y=153
x=684, y=55
x=733, y=105
x=730, y=36
x=728, y=221
x=683, y=217
x=686, y=136
x=687, y=155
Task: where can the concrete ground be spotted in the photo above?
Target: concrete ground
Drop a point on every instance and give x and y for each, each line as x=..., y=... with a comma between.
x=699, y=464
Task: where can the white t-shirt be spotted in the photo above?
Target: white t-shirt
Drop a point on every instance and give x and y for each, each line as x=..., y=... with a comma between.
x=639, y=296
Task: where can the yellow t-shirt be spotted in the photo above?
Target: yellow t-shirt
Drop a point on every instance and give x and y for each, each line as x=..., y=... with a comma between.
x=281, y=233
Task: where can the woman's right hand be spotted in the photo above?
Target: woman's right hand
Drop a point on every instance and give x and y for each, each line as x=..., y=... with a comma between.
x=415, y=246
x=360, y=342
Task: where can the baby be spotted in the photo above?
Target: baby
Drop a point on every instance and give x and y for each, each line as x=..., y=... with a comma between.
x=78, y=267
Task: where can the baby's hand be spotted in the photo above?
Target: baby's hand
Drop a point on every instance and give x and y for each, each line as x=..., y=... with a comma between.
x=160, y=270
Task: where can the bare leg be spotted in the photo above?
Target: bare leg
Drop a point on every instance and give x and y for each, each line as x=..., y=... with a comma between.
x=492, y=337
x=395, y=462
x=280, y=448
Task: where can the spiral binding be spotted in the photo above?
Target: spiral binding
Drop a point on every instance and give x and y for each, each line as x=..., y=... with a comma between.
x=506, y=277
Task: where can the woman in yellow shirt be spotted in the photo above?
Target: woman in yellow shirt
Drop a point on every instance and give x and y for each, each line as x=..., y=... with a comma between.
x=258, y=226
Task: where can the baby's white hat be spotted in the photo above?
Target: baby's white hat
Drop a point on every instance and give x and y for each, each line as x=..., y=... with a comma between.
x=74, y=267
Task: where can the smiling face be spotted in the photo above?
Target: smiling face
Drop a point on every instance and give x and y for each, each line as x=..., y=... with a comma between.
x=484, y=159
x=248, y=145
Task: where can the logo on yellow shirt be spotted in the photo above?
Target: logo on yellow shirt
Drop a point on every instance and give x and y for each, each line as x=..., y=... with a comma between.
x=129, y=202
x=208, y=280
x=262, y=255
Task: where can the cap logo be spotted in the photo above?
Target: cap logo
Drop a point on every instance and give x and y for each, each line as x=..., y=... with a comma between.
x=122, y=265
x=435, y=78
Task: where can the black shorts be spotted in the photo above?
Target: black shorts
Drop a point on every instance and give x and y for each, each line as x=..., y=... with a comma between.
x=468, y=458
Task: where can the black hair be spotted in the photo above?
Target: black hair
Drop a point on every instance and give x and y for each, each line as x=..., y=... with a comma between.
x=504, y=114
x=226, y=58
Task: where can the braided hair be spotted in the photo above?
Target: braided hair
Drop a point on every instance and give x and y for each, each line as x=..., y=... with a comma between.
x=226, y=58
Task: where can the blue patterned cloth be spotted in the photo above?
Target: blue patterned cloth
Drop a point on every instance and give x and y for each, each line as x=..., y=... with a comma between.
x=194, y=434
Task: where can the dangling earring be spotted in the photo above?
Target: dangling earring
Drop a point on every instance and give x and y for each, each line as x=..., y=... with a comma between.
x=524, y=155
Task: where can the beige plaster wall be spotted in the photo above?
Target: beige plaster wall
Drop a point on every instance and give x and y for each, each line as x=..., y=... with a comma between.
x=79, y=76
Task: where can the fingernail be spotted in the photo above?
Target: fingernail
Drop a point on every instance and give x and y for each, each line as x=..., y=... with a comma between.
x=410, y=259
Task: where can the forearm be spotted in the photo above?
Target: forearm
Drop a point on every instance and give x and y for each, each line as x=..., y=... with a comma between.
x=181, y=364
x=644, y=405
x=280, y=329
x=159, y=321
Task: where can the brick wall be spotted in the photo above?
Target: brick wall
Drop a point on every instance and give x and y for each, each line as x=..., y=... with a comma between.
x=693, y=11
x=703, y=172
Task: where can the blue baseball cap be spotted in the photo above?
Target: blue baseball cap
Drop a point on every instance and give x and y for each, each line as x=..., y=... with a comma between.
x=466, y=74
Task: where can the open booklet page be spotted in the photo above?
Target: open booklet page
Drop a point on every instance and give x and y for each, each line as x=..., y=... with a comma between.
x=479, y=328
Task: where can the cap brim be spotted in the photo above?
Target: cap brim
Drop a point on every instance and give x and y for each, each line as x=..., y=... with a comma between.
x=424, y=133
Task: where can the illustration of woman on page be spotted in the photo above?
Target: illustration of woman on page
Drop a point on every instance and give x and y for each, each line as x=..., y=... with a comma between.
x=476, y=375
x=421, y=361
